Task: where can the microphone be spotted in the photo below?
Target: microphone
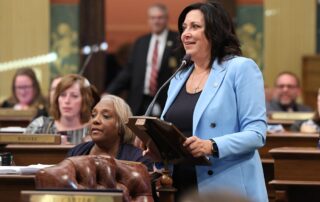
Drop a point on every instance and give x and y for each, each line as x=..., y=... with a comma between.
x=186, y=59
x=89, y=51
x=86, y=50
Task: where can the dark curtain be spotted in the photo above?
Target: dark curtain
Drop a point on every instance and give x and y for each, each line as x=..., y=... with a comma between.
x=92, y=31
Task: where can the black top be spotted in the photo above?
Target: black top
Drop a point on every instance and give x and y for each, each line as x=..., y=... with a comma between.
x=126, y=152
x=180, y=114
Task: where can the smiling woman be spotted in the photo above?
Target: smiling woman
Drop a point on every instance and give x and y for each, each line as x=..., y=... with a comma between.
x=218, y=103
x=26, y=93
x=72, y=102
x=109, y=133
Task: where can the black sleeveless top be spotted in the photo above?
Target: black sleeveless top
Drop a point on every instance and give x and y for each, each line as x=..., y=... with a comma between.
x=180, y=114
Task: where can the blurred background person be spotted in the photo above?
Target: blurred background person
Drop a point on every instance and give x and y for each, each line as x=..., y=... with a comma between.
x=26, y=93
x=73, y=100
x=109, y=133
x=115, y=62
x=311, y=125
x=286, y=92
x=151, y=62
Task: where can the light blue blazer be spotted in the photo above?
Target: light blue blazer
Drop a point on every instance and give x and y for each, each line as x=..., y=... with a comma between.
x=231, y=110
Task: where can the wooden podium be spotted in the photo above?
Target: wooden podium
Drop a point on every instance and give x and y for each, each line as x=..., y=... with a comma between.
x=165, y=140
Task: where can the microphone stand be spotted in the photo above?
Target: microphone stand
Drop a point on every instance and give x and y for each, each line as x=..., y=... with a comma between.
x=184, y=62
x=85, y=64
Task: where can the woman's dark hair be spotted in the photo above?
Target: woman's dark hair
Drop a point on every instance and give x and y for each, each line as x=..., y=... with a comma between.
x=219, y=29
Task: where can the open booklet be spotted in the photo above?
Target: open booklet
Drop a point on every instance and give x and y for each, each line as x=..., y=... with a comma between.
x=21, y=170
x=164, y=139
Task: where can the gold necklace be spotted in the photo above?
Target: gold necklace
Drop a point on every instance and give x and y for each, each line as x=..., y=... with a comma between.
x=197, y=88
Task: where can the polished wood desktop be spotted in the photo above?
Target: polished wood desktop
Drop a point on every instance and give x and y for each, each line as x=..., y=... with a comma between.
x=12, y=185
x=287, y=139
x=296, y=173
x=11, y=117
x=24, y=154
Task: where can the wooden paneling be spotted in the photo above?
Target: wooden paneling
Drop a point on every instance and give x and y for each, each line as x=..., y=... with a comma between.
x=12, y=185
x=126, y=19
x=311, y=79
x=290, y=33
x=24, y=32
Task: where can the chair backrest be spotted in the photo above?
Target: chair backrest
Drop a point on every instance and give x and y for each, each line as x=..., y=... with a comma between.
x=98, y=172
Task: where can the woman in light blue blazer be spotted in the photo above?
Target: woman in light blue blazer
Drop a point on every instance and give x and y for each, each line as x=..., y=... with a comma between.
x=218, y=103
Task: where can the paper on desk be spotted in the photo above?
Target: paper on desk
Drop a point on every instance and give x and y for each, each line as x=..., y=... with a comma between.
x=12, y=129
x=21, y=170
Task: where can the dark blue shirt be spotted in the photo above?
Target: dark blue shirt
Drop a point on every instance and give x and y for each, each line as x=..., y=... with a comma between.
x=126, y=152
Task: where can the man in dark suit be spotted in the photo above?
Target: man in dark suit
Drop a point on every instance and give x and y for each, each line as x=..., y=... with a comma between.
x=152, y=61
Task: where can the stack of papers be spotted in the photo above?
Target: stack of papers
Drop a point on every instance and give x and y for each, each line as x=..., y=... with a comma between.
x=21, y=170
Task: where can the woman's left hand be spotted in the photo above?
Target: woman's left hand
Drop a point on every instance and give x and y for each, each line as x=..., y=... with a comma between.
x=198, y=147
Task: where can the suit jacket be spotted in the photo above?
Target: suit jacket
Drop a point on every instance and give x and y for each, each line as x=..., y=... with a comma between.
x=274, y=105
x=133, y=75
x=231, y=111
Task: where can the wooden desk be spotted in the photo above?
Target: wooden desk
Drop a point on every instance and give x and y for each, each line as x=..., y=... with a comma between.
x=33, y=154
x=296, y=173
x=287, y=139
x=11, y=185
x=286, y=124
x=282, y=140
x=11, y=117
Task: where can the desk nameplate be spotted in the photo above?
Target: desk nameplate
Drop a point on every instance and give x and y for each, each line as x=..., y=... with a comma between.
x=62, y=196
x=18, y=138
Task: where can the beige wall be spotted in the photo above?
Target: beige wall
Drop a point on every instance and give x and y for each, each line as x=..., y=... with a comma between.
x=24, y=32
x=290, y=33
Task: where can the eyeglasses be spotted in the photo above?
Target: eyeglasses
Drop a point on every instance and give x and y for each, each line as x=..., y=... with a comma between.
x=25, y=87
x=286, y=86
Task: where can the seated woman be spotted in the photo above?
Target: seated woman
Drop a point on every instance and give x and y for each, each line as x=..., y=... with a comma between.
x=26, y=93
x=109, y=133
x=311, y=125
x=72, y=103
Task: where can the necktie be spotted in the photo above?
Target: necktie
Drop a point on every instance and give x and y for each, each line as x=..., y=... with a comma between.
x=154, y=70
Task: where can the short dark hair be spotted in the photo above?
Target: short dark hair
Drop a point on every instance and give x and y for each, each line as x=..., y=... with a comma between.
x=219, y=29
